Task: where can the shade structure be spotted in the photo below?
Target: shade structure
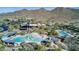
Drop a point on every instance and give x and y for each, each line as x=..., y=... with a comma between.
x=9, y=41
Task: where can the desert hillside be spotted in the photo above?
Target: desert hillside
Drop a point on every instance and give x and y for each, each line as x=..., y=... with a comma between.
x=58, y=14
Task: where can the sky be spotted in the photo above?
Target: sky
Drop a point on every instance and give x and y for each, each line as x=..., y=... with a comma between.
x=12, y=9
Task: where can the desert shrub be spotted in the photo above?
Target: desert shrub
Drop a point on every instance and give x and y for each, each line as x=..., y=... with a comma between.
x=1, y=29
x=73, y=44
x=26, y=47
x=2, y=47
x=1, y=42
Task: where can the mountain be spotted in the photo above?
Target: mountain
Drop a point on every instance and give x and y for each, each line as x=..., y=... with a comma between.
x=59, y=14
x=66, y=14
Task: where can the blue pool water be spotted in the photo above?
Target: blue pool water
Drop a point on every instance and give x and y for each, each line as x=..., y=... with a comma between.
x=29, y=37
x=62, y=33
x=20, y=38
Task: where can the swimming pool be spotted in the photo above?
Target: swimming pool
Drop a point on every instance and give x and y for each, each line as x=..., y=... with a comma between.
x=18, y=38
x=24, y=38
x=62, y=33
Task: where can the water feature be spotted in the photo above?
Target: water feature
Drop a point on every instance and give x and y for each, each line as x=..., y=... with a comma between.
x=19, y=38
x=24, y=38
x=62, y=33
